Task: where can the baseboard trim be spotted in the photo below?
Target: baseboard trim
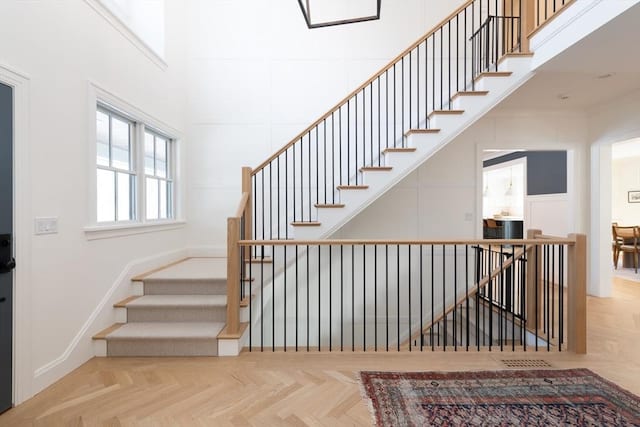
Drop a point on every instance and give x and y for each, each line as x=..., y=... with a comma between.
x=80, y=348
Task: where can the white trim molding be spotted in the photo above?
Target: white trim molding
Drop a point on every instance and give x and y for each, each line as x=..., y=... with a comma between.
x=129, y=34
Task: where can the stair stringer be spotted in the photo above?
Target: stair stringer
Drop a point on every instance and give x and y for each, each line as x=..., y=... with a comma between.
x=426, y=146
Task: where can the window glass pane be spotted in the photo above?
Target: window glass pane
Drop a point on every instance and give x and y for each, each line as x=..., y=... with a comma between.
x=170, y=213
x=152, y=198
x=120, y=147
x=163, y=199
x=148, y=154
x=102, y=134
x=106, y=196
x=125, y=199
x=161, y=157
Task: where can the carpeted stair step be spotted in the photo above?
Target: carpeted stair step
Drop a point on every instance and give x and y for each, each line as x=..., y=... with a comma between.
x=177, y=308
x=175, y=286
x=165, y=339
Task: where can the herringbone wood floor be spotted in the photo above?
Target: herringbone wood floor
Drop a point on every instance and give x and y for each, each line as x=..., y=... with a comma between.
x=295, y=389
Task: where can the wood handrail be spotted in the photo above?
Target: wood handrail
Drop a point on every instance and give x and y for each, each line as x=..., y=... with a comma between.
x=364, y=85
x=337, y=242
x=242, y=205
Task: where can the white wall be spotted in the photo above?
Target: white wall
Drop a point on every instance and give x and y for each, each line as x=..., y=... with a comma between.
x=59, y=47
x=439, y=200
x=258, y=76
x=625, y=177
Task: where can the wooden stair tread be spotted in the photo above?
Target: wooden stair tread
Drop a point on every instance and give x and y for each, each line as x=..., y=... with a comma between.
x=375, y=168
x=247, y=279
x=421, y=131
x=124, y=302
x=167, y=330
x=470, y=93
x=329, y=205
x=399, y=150
x=244, y=302
x=103, y=333
x=494, y=74
x=446, y=112
x=306, y=224
x=352, y=187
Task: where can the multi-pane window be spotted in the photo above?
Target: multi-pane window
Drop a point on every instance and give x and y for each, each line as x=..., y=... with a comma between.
x=125, y=162
x=116, y=175
x=157, y=170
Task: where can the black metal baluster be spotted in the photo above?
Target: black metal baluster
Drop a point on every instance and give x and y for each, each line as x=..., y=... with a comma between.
x=353, y=299
x=348, y=140
x=293, y=187
x=250, y=302
x=262, y=299
x=375, y=297
x=309, y=138
x=421, y=306
x=308, y=291
x=441, y=85
x=278, y=194
x=386, y=257
x=302, y=181
x=297, y=287
x=409, y=291
x=340, y=144
x=444, y=299
x=364, y=298
x=537, y=320
x=341, y=299
x=355, y=139
x=319, y=300
x=551, y=285
x=455, y=295
x=466, y=281
x=324, y=159
x=330, y=298
x=273, y=298
x=561, y=298
x=394, y=105
x=433, y=308
x=284, y=269
x=398, y=296
x=379, y=126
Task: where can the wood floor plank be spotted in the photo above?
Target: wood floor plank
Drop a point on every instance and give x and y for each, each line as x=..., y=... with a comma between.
x=296, y=389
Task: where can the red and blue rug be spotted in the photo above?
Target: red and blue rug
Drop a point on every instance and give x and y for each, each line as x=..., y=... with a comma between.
x=575, y=397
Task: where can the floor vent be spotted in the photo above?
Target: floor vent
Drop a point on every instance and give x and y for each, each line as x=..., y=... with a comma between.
x=526, y=363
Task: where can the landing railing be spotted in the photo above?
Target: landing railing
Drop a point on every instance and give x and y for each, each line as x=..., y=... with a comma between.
x=378, y=295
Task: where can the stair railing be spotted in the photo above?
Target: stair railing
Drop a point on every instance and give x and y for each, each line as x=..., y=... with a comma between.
x=375, y=295
x=327, y=157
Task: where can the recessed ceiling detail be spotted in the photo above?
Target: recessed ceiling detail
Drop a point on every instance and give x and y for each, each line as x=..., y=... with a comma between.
x=327, y=13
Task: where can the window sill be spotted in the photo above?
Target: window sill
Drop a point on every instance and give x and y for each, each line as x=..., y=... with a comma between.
x=96, y=232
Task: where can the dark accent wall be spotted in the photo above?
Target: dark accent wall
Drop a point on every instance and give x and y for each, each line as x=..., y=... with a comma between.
x=546, y=170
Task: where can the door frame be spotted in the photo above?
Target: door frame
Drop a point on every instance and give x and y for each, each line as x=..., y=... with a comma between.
x=22, y=228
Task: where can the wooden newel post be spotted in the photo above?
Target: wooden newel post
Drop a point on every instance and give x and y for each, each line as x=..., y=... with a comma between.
x=248, y=211
x=577, y=294
x=527, y=24
x=534, y=286
x=233, y=276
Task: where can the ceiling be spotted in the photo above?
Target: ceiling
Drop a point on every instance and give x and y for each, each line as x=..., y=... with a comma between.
x=599, y=68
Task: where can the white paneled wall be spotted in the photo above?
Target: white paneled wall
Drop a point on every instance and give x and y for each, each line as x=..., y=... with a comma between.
x=258, y=77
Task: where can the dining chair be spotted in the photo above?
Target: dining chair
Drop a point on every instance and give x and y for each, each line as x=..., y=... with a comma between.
x=627, y=240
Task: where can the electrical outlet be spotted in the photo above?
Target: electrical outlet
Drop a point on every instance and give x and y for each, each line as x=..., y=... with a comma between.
x=48, y=225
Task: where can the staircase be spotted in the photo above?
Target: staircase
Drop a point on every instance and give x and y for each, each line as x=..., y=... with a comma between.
x=179, y=310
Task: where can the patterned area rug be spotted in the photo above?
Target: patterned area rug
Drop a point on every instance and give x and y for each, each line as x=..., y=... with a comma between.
x=575, y=397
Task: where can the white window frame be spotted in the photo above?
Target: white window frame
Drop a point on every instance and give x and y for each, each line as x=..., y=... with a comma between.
x=102, y=99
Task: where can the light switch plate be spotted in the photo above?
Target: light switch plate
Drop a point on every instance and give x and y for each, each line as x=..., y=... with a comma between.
x=46, y=225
